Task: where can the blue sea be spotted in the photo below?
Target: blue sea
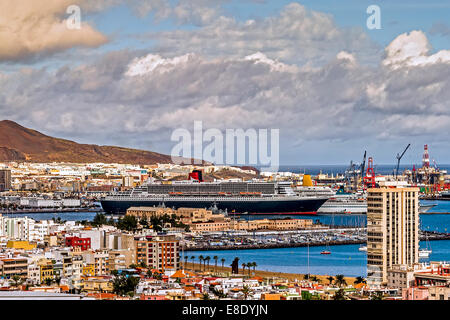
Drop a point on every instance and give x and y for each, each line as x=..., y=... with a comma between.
x=383, y=169
x=344, y=259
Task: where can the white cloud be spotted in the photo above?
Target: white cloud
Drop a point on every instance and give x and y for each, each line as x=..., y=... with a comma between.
x=295, y=36
x=412, y=49
x=261, y=58
x=32, y=28
x=147, y=64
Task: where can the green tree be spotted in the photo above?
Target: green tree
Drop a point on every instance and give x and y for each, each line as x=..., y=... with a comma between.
x=111, y=222
x=99, y=220
x=124, y=285
x=205, y=296
x=246, y=291
x=143, y=222
x=339, y=295
x=128, y=223
x=330, y=279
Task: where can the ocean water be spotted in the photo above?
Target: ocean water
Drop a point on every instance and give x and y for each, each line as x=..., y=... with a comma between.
x=344, y=259
x=429, y=222
x=382, y=169
x=68, y=216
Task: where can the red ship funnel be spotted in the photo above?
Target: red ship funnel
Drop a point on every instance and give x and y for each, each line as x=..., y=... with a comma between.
x=196, y=175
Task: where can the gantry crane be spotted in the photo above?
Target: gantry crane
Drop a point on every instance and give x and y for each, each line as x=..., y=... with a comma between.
x=399, y=157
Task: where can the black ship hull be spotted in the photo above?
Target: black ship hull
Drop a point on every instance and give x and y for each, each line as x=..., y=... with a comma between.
x=279, y=206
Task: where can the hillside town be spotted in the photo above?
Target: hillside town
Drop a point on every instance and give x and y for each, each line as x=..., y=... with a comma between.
x=142, y=256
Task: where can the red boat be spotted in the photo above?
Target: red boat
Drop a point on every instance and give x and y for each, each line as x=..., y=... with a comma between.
x=325, y=252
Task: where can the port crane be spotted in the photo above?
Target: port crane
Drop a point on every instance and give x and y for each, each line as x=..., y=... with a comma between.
x=399, y=157
x=354, y=174
x=363, y=165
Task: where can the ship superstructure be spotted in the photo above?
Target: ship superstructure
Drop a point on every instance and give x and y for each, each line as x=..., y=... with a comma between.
x=252, y=197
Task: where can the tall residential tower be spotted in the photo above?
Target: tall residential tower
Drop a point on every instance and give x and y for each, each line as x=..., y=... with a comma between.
x=5, y=179
x=392, y=230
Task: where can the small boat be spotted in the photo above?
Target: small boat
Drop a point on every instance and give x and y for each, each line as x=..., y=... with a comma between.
x=425, y=253
x=363, y=248
x=325, y=252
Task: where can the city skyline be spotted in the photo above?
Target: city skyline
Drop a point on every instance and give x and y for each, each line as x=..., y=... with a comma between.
x=135, y=72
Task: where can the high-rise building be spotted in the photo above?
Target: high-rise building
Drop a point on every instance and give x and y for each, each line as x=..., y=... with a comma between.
x=5, y=179
x=392, y=230
x=161, y=253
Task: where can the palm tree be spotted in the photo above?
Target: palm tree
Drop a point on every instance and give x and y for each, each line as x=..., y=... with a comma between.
x=185, y=261
x=17, y=280
x=340, y=280
x=205, y=296
x=207, y=260
x=243, y=267
x=201, y=258
x=249, y=265
x=254, y=265
x=246, y=291
x=193, y=259
x=339, y=295
x=215, y=262
x=223, y=261
x=331, y=279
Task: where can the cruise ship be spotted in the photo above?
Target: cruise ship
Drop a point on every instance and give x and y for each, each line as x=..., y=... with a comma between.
x=233, y=197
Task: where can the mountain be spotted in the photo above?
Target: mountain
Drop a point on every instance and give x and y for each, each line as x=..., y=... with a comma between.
x=18, y=143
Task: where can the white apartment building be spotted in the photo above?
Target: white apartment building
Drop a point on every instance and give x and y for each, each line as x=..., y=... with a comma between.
x=18, y=228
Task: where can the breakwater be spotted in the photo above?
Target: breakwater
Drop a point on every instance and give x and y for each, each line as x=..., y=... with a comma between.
x=272, y=245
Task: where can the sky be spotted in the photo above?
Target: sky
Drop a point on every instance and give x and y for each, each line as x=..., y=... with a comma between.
x=136, y=70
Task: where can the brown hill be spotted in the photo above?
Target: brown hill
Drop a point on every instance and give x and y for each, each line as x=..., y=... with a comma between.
x=18, y=143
